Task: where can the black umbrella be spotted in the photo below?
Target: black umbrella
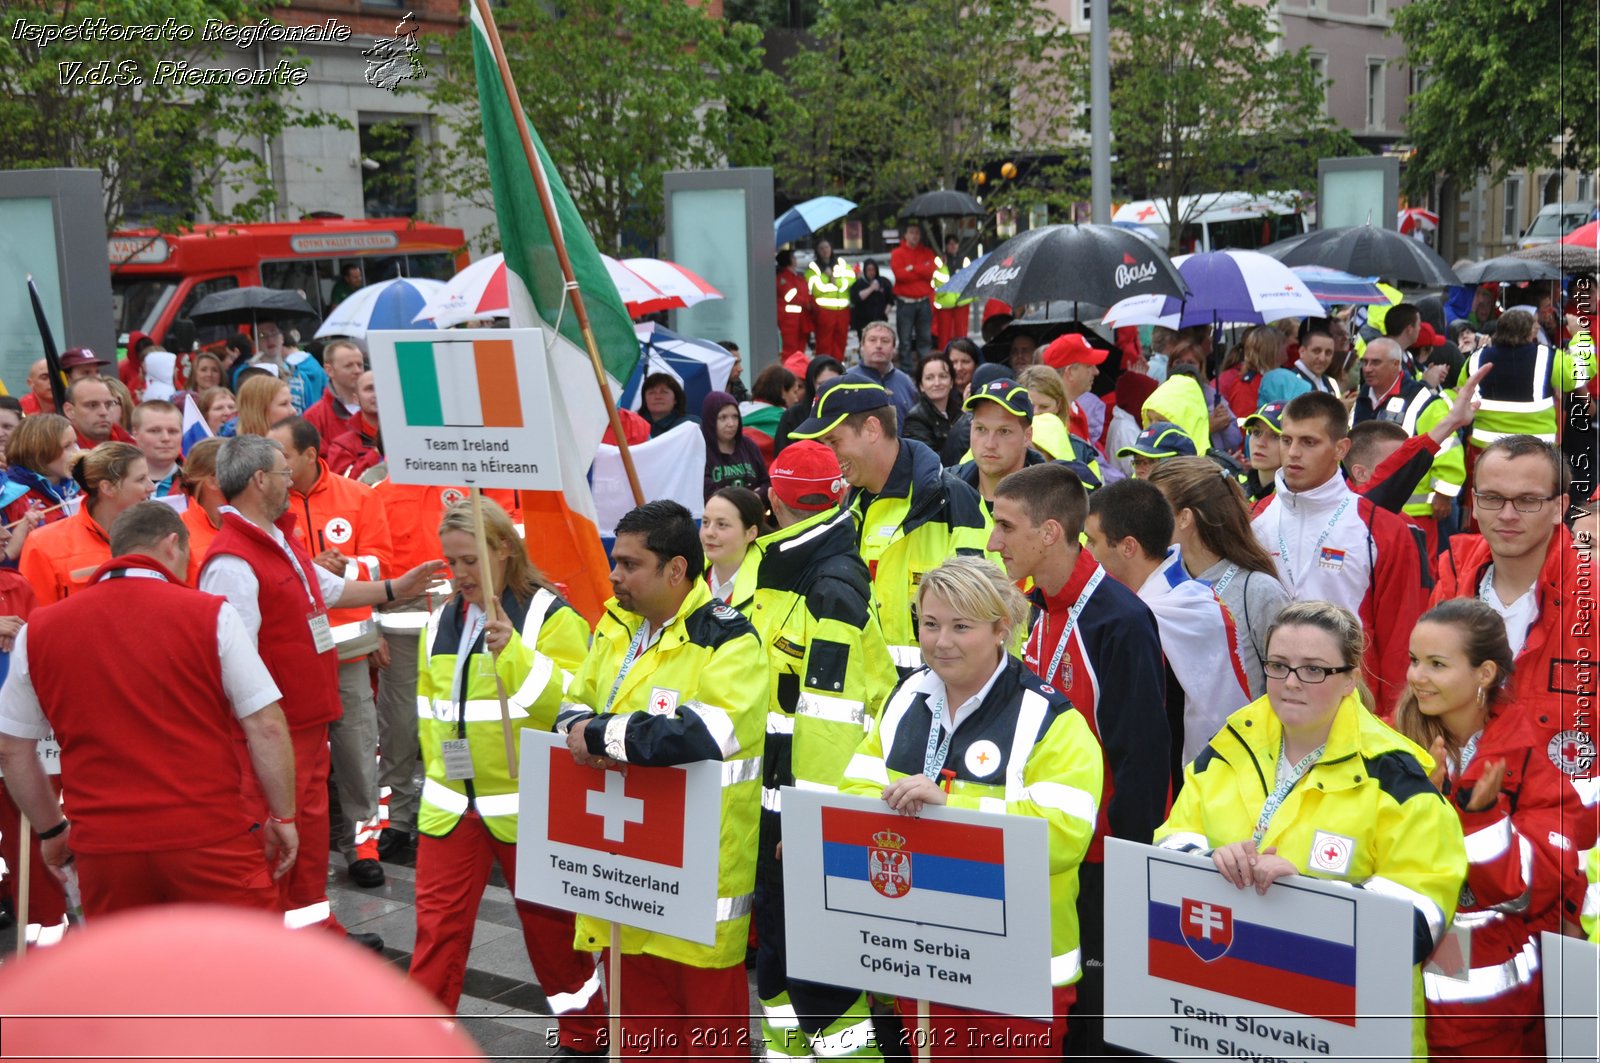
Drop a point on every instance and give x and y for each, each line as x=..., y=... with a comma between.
x=1041, y=331
x=1570, y=259
x=1078, y=263
x=1366, y=252
x=942, y=204
x=238, y=305
x=1508, y=270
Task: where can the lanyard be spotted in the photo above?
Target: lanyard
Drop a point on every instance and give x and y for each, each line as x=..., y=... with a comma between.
x=1284, y=564
x=937, y=750
x=1072, y=622
x=1287, y=778
x=139, y=573
x=634, y=650
x=1227, y=578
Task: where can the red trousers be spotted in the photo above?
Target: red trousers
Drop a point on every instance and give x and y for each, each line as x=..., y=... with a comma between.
x=793, y=330
x=303, y=892
x=950, y=323
x=959, y=1033
x=47, y=902
x=230, y=872
x=451, y=875
x=1507, y=1027
x=673, y=1010
x=833, y=329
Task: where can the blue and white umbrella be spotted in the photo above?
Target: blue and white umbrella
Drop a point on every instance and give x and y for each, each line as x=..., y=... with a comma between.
x=1335, y=287
x=1225, y=287
x=391, y=304
x=700, y=365
x=808, y=217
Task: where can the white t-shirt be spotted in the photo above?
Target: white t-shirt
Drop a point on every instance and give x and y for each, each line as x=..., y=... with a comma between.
x=244, y=679
x=234, y=579
x=1519, y=615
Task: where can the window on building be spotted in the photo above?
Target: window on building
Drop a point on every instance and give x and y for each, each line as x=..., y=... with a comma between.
x=1375, y=101
x=1585, y=187
x=1086, y=12
x=389, y=167
x=1551, y=192
x=1511, y=207
x=1375, y=8
x=1319, y=67
x=1418, y=80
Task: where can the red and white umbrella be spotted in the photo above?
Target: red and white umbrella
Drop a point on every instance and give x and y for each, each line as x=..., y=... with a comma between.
x=673, y=280
x=479, y=291
x=1414, y=220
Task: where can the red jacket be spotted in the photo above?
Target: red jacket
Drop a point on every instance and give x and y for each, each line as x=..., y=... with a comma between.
x=201, y=535
x=1554, y=678
x=1523, y=871
x=340, y=514
x=329, y=415
x=356, y=450
x=119, y=434
x=308, y=680
x=913, y=271
x=145, y=727
x=59, y=558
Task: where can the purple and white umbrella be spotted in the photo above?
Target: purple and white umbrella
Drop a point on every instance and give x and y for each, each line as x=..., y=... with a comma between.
x=1225, y=287
x=1335, y=287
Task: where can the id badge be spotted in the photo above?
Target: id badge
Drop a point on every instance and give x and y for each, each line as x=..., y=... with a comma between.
x=457, y=759
x=321, y=633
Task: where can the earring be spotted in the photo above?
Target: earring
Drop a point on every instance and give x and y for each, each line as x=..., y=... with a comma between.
x=1480, y=695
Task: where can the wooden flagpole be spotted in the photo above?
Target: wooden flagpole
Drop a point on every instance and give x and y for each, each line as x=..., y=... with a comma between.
x=614, y=991
x=491, y=612
x=553, y=223
x=924, y=1032
x=24, y=879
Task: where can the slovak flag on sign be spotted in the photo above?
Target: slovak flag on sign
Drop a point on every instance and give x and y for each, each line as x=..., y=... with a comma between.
x=638, y=815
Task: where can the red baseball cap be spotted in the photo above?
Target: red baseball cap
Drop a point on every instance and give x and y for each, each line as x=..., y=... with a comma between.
x=806, y=476
x=74, y=357
x=1426, y=337
x=1071, y=349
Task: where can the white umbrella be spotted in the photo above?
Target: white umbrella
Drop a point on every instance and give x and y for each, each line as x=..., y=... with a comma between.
x=673, y=280
x=391, y=304
x=476, y=293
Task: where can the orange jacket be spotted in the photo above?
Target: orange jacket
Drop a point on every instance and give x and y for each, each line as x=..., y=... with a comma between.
x=414, y=512
x=59, y=558
x=344, y=515
x=200, y=535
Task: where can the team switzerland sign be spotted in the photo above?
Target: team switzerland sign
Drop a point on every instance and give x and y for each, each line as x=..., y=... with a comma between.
x=614, y=845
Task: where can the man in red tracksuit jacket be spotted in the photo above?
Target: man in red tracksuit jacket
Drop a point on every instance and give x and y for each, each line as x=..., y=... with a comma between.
x=1523, y=564
x=257, y=563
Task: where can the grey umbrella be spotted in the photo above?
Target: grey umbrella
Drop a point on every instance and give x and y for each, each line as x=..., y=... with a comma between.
x=1366, y=252
x=1568, y=258
x=1508, y=270
x=942, y=204
x=239, y=305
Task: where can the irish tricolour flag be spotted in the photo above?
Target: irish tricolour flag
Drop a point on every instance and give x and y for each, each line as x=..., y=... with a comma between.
x=569, y=549
x=460, y=383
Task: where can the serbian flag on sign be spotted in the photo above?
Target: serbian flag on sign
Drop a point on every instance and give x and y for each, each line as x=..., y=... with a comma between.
x=569, y=549
x=1308, y=968
x=914, y=870
x=638, y=815
x=195, y=427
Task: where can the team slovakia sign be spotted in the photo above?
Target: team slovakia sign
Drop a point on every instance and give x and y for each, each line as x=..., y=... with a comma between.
x=952, y=906
x=1196, y=967
x=614, y=845
x=467, y=407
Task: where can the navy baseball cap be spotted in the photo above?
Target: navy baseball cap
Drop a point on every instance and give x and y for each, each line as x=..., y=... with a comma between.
x=1005, y=393
x=838, y=399
x=1161, y=440
x=1270, y=415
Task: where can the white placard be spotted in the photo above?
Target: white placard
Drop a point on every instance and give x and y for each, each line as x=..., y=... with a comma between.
x=639, y=848
x=467, y=406
x=1196, y=967
x=1571, y=990
x=49, y=754
x=953, y=906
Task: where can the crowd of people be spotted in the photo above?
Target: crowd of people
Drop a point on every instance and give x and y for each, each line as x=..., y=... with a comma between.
x=1317, y=605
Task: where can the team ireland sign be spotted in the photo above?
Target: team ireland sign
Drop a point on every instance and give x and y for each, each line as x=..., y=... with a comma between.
x=468, y=406
x=952, y=906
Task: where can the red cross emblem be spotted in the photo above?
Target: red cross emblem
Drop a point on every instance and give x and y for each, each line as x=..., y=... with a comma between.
x=663, y=701
x=1148, y=212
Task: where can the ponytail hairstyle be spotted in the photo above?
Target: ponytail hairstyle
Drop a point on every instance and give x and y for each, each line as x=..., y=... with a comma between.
x=1483, y=638
x=1221, y=513
x=107, y=462
x=199, y=465
x=522, y=577
x=1337, y=621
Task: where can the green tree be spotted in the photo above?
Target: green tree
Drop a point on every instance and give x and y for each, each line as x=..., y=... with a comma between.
x=1202, y=101
x=1508, y=84
x=167, y=151
x=906, y=95
x=621, y=91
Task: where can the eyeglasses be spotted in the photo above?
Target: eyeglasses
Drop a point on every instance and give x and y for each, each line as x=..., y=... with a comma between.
x=1525, y=503
x=1306, y=673
x=287, y=474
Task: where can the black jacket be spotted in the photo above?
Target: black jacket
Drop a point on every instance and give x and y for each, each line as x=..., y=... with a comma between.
x=926, y=423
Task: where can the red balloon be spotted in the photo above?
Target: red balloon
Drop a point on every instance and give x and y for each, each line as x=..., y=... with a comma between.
x=209, y=983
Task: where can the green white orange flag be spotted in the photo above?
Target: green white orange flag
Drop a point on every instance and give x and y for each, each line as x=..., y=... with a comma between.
x=568, y=545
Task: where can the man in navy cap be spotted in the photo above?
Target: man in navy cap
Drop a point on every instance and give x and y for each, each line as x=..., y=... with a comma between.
x=911, y=514
x=1002, y=431
x=1160, y=441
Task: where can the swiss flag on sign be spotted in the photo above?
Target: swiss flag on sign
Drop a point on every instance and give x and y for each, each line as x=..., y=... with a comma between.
x=638, y=815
